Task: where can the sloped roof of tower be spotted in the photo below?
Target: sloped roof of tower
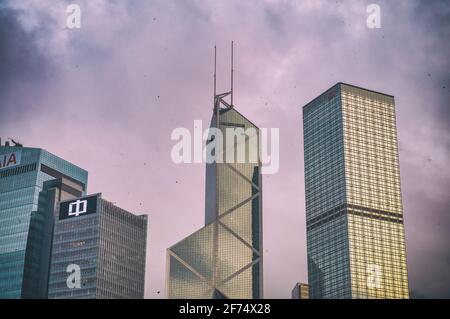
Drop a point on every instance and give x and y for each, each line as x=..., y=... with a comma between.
x=350, y=85
x=219, y=98
x=240, y=114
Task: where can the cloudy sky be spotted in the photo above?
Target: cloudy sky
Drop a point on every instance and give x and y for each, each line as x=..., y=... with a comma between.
x=108, y=95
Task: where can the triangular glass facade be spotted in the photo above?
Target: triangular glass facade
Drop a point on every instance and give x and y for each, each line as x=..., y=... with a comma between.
x=223, y=259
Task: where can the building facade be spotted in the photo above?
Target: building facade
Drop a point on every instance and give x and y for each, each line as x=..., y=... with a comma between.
x=300, y=291
x=40, y=235
x=98, y=251
x=25, y=226
x=354, y=213
x=224, y=258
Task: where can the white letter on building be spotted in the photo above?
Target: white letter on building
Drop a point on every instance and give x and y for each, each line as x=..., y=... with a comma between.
x=74, y=279
x=373, y=276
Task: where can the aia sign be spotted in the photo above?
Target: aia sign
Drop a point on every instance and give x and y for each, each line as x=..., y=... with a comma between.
x=10, y=159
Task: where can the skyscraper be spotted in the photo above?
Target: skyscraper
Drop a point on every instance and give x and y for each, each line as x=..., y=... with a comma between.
x=40, y=236
x=105, y=243
x=24, y=245
x=300, y=291
x=224, y=258
x=354, y=213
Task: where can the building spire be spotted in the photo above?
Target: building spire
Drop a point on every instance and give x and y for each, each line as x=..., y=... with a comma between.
x=215, y=67
x=219, y=98
x=232, y=72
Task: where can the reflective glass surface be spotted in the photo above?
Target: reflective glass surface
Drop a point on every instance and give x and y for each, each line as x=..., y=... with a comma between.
x=20, y=187
x=356, y=246
x=110, y=248
x=223, y=259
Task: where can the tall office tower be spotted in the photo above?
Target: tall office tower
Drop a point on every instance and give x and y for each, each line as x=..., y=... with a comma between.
x=24, y=223
x=354, y=214
x=98, y=251
x=300, y=291
x=224, y=258
x=40, y=234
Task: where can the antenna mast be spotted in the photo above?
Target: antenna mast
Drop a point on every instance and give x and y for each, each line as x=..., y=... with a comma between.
x=219, y=98
x=215, y=66
x=232, y=71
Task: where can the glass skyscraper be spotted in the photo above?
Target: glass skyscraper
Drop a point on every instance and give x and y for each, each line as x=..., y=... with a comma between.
x=25, y=225
x=105, y=243
x=354, y=213
x=300, y=291
x=224, y=258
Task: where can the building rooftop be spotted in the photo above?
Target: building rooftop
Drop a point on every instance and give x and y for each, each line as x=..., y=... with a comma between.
x=351, y=85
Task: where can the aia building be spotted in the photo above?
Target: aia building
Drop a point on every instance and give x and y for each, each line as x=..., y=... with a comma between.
x=98, y=251
x=32, y=180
